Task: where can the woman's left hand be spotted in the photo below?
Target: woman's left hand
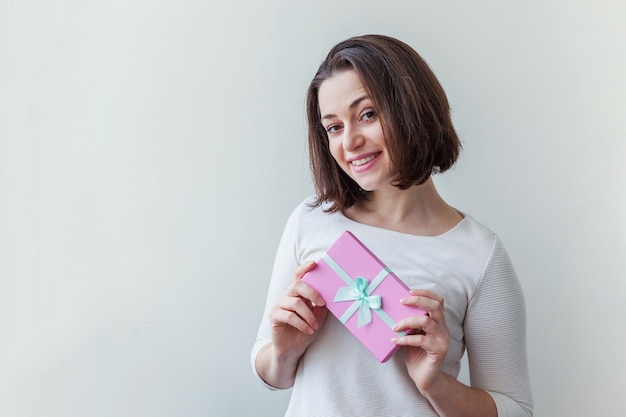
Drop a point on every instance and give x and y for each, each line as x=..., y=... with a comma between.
x=426, y=349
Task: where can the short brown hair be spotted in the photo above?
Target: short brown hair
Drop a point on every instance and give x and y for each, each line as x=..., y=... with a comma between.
x=413, y=109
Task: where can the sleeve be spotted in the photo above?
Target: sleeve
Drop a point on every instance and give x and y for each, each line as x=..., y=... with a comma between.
x=285, y=264
x=495, y=337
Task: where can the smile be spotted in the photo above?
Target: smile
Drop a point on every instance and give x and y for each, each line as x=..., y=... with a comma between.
x=363, y=161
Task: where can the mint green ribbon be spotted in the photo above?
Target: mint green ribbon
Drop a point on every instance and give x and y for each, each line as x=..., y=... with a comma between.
x=359, y=290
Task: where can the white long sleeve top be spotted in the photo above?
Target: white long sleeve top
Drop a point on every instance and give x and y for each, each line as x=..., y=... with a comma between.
x=484, y=310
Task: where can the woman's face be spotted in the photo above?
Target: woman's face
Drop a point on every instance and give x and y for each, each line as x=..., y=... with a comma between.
x=355, y=134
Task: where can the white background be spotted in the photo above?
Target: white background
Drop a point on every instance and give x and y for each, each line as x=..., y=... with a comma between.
x=151, y=151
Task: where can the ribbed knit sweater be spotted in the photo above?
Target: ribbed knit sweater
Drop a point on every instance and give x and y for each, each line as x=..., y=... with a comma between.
x=484, y=310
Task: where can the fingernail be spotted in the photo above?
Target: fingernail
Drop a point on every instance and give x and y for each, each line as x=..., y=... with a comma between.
x=403, y=300
x=394, y=340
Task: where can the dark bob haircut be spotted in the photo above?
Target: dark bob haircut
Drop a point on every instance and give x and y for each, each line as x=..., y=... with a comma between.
x=413, y=109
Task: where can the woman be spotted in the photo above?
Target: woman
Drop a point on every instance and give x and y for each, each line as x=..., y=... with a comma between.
x=379, y=127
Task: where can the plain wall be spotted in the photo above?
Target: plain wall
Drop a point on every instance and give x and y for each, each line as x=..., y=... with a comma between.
x=151, y=151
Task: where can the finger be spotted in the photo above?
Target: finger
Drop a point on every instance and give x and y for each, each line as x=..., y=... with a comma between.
x=303, y=269
x=281, y=317
x=416, y=340
x=299, y=307
x=306, y=292
x=428, y=301
x=412, y=323
x=424, y=298
x=303, y=308
x=422, y=325
x=427, y=294
x=432, y=345
x=423, y=332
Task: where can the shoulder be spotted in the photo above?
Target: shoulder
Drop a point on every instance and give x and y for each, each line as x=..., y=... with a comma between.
x=473, y=236
x=472, y=228
x=490, y=257
x=308, y=211
x=314, y=229
x=475, y=248
x=490, y=241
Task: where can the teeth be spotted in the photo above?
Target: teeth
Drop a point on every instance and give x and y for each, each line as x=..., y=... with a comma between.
x=359, y=162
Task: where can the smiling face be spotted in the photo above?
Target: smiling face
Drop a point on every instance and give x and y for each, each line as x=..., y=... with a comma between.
x=354, y=129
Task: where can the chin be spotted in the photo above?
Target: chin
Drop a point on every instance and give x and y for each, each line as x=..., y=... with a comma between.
x=367, y=187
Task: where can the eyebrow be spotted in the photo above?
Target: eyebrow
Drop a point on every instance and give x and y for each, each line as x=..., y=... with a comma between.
x=351, y=106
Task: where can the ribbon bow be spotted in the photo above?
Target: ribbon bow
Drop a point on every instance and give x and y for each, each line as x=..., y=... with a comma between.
x=359, y=291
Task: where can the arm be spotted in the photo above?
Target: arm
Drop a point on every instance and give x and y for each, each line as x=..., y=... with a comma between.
x=450, y=398
x=289, y=319
x=425, y=352
x=293, y=319
x=495, y=336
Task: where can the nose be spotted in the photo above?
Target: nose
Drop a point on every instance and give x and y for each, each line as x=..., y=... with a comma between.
x=352, y=138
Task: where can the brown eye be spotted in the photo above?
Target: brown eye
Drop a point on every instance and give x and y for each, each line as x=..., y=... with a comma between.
x=368, y=115
x=333, y=129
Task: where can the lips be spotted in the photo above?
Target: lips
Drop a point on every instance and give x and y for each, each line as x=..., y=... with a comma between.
x=365, y=159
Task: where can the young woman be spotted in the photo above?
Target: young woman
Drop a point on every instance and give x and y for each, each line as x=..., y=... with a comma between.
x=379, y=127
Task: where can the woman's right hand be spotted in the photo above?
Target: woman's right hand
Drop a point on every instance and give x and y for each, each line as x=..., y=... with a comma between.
x=296, y=316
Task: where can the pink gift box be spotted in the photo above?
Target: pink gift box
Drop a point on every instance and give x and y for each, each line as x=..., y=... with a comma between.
x=362, y=293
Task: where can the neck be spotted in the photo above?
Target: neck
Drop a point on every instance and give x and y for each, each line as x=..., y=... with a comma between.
x=418, y=210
